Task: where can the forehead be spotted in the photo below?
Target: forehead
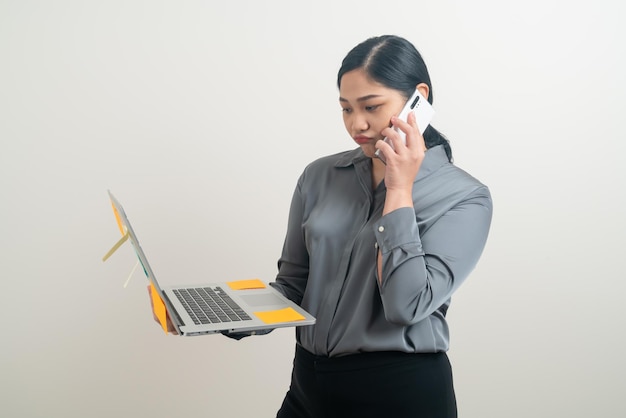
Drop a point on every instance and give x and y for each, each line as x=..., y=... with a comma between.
x=357, y=84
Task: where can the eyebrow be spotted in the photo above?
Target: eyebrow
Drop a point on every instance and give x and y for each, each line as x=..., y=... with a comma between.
x=362, y=99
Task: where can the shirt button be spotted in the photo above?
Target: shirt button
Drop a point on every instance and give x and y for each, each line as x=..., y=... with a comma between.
x=381, y=228
x=376, y=245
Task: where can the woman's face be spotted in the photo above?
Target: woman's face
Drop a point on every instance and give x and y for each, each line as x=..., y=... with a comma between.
x=367, y=108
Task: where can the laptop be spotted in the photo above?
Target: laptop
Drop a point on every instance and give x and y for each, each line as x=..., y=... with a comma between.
x=215, y=307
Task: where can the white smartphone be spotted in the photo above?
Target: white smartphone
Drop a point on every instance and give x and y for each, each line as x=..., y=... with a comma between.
x=423, y=114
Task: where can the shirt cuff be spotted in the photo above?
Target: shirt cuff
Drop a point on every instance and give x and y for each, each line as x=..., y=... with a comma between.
x=398, y=229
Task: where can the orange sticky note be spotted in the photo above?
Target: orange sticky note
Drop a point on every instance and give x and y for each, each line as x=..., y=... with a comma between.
x=119, y=220
x=159, y=307
x=280, y=315
x=246, y=284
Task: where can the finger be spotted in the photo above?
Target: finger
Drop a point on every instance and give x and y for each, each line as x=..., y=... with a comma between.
x=404, y=131
x=394, y=137
x=404, y=126
x=384, y=148
x=414, y=136
x=170, y=326
x=410, y=126
x=412, y=121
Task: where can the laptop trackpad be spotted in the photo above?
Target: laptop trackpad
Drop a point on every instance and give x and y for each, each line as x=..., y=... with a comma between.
x=262, y=300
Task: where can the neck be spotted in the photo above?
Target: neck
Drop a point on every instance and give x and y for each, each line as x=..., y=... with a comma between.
x=378, y=172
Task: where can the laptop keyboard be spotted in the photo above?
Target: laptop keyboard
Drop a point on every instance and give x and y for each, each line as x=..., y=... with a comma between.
x=208, y=305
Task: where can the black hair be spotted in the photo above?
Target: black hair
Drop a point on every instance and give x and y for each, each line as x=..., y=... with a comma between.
x=395, y=63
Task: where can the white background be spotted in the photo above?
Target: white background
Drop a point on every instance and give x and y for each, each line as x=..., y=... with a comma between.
x=200, y=116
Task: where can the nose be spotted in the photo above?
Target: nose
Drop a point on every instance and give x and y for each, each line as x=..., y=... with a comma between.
x=359, y=122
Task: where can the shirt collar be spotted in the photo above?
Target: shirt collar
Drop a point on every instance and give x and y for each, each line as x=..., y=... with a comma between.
x=351, y=158
x=435, y=158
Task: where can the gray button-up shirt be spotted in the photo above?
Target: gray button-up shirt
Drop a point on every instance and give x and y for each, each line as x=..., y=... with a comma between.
x=335, y=229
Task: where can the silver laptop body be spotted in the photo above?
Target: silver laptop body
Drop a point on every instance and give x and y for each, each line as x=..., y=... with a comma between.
x=190, y=306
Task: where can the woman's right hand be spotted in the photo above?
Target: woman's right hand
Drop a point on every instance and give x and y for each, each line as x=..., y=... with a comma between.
x=403, y=162
x=170, y=326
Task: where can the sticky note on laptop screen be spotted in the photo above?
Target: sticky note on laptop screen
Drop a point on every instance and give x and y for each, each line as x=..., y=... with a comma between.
x=119, y=220
x=279, y=315
x=159, y=307
x=246, y=284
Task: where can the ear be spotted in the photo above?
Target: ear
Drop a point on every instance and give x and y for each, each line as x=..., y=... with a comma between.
x=424, y=90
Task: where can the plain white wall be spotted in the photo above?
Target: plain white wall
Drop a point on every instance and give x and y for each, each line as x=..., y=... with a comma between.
x=200, y=116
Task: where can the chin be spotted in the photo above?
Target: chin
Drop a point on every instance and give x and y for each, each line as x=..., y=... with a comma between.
x=368, y=150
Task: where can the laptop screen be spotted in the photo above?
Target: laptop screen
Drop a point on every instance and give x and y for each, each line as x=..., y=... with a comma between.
x=126, y=228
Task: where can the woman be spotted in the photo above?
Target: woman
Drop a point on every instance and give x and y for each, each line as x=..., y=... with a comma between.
x=374, y=251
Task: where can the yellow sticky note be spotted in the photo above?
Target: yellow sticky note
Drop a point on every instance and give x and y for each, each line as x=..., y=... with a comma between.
x=280, y=315
x=159, y=307
x=246, y=284
x=118, y=218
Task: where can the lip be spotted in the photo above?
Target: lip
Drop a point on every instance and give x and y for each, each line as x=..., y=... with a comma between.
x=362, y=139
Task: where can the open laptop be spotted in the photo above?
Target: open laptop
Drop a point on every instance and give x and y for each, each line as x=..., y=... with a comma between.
x=215, y=307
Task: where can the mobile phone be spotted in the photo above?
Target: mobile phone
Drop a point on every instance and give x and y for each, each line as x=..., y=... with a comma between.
x=423, y=114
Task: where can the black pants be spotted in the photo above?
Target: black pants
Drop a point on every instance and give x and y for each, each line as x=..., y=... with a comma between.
x=384, y=384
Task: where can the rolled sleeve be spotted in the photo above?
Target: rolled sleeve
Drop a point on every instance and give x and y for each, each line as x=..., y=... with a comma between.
x=420, y=273
x=398, y=229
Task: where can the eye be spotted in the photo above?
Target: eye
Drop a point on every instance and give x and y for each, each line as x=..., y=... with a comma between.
x=346, y=110
x=371, y=108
